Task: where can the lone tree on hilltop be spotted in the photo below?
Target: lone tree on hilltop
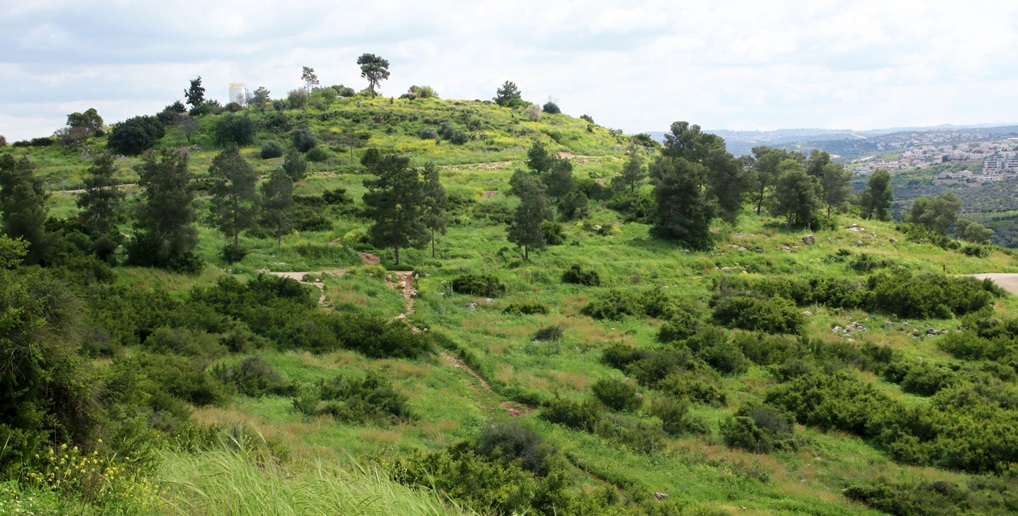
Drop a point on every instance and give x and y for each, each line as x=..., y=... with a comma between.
x=508, y=95
x=374, y=69
x=395, y=201
x=195, y=95
x=310, y=79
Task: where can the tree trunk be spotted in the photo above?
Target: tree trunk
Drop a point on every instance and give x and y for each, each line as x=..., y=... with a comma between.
x=396, y=248
x=526, y=253
x=432, y=242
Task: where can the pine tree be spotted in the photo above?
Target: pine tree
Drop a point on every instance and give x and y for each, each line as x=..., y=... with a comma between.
x=395, y=202
x=102, y=202
x=235, y=201
x=525, y=228
x=23, y=203
x=682, y=212
x=165, y=235
x=435, y=200
x=277, y=198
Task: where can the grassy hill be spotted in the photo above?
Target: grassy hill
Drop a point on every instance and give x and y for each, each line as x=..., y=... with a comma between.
x=620, y=395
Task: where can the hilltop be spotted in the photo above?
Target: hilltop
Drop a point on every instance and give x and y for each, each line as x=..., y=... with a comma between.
x=844, y=368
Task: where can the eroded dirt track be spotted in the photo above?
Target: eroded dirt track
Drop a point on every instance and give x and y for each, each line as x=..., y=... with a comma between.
x=1008, y=282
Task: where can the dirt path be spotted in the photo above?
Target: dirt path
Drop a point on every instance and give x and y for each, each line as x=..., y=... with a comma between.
x=1008, y=282
x=319, y=284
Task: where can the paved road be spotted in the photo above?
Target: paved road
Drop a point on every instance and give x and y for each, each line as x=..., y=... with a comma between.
x=1008, y=282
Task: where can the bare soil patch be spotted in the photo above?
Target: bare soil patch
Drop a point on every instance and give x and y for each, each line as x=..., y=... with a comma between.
x=1008, y=282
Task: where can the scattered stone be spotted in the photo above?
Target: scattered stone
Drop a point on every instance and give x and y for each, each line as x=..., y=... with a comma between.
x=472, y=307
x=661, y=496
x=489, y=301
x=836, y=329
x=807, y=313
x=888, y=324
x=809, y=239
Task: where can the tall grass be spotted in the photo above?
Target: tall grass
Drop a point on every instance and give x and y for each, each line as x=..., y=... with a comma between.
x=224, y=482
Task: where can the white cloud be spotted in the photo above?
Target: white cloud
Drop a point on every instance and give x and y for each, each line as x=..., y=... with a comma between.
x=633, y=65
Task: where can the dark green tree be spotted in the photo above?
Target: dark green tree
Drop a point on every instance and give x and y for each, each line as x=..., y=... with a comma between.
x=295, y=166
x=796, y=194
x=816, y=161
x=395, y=202
x=682, y=212
x=834, y=180
x=89, y=121
x=235, y=201
x=195, y=95
x=508, y=95
x=234, y=130
x=260, y=98
x=728, y=180
x=23, y=203
x=972, y=231
x=307, y=75
x=435, y=203
x=539, y=159
x=936, y=214
x=688, y=142
x=525, y=227
x=102, y=202
x=135, y=135
x=374, y=69
x=165, y=235
x=765, y=164
x=277, y=198
x=876, y=198
x=559, y=180
x=633, y=174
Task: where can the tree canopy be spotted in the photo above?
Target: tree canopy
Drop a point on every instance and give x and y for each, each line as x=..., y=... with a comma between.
x=374, y=69
x=395, y=202
x=508, y=95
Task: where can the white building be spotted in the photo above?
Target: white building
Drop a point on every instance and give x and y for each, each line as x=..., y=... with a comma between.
x=238, y=93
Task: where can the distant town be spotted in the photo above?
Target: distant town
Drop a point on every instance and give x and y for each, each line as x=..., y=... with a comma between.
x=993, y=160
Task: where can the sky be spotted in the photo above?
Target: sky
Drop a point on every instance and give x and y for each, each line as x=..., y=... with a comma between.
x=632, y=65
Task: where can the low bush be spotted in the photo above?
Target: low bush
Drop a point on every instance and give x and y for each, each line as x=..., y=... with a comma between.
x=618, y=395
x=774, y=315
x=271, y=150
x=578, y=416
x=510, y=441
x=577, y=275
x=486, y=285
x=354, y=400
x=525, y=308
x=253, y=377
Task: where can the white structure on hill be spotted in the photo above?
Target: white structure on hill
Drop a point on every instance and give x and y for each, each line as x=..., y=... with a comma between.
x=238, y=93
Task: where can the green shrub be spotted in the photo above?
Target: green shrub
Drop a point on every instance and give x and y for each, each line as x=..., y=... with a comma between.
x=303, y=139
x=525, y=308
x=553, y=333
x=510, y=441
x=233, y=129
x=640, y=437
x=271, y=150
x=578, y=275
x=673, y=415
x=486, y=285
x=618, y=394
x=233, y=254
x=253, y=377
x=317, y=154
x=354, y=400
x=571, y=414
x=615, y=305
x=552, y=231
x=774, y=315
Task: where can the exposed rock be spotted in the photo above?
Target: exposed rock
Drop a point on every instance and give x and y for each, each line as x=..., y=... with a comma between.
x=807, y=313
x=472, y=307
x=660, y=496
x=809, y=239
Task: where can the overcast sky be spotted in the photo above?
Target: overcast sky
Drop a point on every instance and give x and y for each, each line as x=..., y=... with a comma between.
x=632, y=65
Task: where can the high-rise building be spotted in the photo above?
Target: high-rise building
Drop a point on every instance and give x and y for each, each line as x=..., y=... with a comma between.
x=238, y=93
